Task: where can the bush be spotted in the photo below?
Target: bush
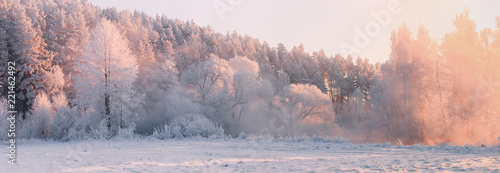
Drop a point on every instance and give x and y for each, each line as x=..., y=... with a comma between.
x=127, y=132
x=189, y=125
x=162, y=132
x=28, y=129
x=174, y=104
x=84, y=125
x=63, y=120
x=41, y=117
x=101, y=131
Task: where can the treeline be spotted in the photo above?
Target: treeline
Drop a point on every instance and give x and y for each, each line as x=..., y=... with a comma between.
x=87, y=72
x=86, y=66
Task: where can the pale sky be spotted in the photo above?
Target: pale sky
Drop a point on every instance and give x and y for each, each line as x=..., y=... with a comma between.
x=318, y=24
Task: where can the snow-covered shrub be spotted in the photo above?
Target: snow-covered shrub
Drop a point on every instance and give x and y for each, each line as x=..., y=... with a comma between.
x=323, y=139
x=83, y=126
x=63, y=120
x=64, y=117
x=242, y=135
x=41, y=116
x=176, y=103
x=38, y=122
x=28, y=129
x=127, y=132
x=100, y=131
x=191, y=125
x=48, y=119
x=91, y=125
x=162, y=132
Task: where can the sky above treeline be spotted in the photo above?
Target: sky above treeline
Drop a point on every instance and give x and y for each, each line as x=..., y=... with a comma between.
x=359, y=27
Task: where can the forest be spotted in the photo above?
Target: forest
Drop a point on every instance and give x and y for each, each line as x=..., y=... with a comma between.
x=86, y=72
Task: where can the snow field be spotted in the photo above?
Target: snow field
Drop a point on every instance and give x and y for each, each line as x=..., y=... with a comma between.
x=248, y=155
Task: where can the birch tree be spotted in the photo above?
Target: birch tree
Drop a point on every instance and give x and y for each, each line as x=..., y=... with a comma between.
x=106, y=74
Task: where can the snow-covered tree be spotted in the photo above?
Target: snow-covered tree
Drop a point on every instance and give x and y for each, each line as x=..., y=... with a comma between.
x=106, y=74
x=25, y=46
x=41, y=117
x=302, y=103
x=211, y=81
x=54, y=81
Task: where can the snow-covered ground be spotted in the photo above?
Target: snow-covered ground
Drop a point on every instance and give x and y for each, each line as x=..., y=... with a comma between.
x=247, y=155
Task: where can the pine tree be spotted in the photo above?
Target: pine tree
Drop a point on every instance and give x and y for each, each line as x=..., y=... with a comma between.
x=26, y=47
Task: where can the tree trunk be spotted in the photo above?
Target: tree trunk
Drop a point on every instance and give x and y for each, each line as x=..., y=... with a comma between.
x=106, y=93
